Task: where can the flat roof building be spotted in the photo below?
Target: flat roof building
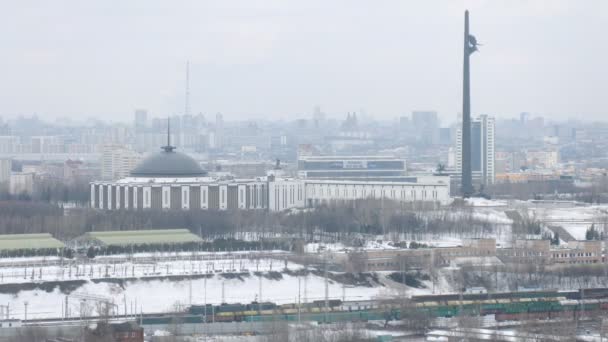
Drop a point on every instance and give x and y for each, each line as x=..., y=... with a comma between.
x=17, y=242
x=140, y=237
x=351, y=167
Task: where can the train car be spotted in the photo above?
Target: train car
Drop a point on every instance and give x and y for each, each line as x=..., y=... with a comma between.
x=484, y=296
x=490, y=307
x=156, y=320
x=594, y=293
x=226, y=317
x=169, y=319
x=200, y=309
x=234, y=307
x=262, y=306
x=603, y=303
x=330, y=303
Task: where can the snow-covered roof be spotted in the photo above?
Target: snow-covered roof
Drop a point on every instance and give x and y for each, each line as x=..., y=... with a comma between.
x=143, y=237
x=28, y=241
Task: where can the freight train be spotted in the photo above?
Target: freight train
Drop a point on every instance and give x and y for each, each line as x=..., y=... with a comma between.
x=504, y=306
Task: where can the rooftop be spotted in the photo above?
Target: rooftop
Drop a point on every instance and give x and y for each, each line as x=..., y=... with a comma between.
x=143, y=237
x=11, y=242
x=168, y=163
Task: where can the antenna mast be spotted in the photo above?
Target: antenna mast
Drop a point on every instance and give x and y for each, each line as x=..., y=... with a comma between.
x=168, y=148
x=187, y=104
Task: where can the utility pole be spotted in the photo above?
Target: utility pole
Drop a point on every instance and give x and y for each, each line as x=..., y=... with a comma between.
x=306, y=286
x=260, y=289
x=299, y=302
x=187, y=100
x=205, y=297
x=190, y=291
x=326, y=288
x=223, y=294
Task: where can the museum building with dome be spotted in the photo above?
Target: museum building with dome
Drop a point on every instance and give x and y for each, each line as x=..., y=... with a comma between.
x=171, y=180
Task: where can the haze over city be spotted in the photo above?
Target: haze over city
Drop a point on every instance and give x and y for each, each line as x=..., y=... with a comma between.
x=290, y=171
x=277, y=59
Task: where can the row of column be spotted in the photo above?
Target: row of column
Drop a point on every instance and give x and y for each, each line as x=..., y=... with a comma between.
x=112, y=197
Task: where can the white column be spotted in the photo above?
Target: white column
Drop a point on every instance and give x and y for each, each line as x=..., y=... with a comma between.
x=242, y=196
x=135, y=189
x=101, y=196
x=147, y=202
x=166, y=197
x=185, y=197
x=223, y=197
x=117, y=187
x=259, y=196
x=110, y=199
x=127, y=187
x=251, y=194
x=93, y=198
x=204, y=197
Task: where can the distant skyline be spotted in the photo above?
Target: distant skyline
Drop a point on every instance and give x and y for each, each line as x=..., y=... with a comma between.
x=278, y=59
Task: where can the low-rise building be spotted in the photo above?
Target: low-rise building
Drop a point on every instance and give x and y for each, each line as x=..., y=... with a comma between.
x=21, y=183
x=527, y=251
x=419, y=258
x=541, y=252
x=578, y=252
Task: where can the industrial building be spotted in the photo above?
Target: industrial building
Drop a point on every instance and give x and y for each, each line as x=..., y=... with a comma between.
x=29, y=244
x=380, y=168
x=139, y=237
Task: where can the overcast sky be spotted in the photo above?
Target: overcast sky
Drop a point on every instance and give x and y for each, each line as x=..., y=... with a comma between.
x=277, y=59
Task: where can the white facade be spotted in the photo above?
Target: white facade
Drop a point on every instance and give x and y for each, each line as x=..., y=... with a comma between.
x=286, y=194
x=8, y=144
x=436, y=191
x=117, y=161
x=274, y=194
x=547, y=159
x=21, y=183
x=5, y=170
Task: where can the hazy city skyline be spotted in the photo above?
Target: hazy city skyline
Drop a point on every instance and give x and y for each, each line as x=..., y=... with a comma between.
x=276, y=60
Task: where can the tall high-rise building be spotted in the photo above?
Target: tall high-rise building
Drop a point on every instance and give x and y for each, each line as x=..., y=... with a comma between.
x=117, y=161
x=218, y=136
x=141, y=120
x=5, y=171
x=426, y=125
x=482, y=150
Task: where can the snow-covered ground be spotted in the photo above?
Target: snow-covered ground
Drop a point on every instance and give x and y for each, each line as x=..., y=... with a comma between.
x=160, y=295
x=575, y=220
x=162, y=284
x=100, y=269
x=482, y=202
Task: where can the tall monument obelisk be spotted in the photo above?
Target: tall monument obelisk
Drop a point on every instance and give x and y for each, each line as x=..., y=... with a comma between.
x=470, y=46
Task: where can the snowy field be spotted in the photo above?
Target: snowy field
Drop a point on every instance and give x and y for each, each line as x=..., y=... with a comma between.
x=161, y=295
x=575, y=220
x=151, y=284
x=124, y=267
